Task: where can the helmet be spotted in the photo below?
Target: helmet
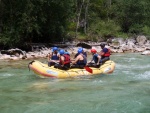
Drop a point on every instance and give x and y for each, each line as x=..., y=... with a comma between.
x=67, y=53
x=93, y=51
x=102, y=45
x=80, y=50
x=55, y=48
x=61, y=52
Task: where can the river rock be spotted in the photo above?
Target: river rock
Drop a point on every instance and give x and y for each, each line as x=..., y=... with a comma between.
x=146, y=53
x=139, y=49
x=141, y=40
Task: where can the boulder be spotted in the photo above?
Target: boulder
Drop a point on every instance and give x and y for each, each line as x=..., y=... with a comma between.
x=139, y=49
x=141, y=40
x=17, y=52
x=84, y=45
x=130, y=45
x=146, y=53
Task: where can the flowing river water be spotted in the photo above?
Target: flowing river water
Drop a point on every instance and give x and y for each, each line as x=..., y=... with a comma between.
x=127, y=90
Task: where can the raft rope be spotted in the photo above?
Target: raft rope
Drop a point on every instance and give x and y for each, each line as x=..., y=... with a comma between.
x=30, y=63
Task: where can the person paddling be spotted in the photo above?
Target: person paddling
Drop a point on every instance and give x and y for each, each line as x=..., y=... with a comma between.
x=64, y=61
x=96, y=58
x=80, y=60
x=105, y=53
x=53, y=57
x=84, y=53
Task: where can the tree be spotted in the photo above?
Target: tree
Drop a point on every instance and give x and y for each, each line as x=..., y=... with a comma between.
x=34, y=21
x=132, y=15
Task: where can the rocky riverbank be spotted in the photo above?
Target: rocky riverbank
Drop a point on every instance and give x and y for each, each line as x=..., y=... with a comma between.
x=139, y=45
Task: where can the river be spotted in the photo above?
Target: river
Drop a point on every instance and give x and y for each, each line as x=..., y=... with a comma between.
x=127, y=90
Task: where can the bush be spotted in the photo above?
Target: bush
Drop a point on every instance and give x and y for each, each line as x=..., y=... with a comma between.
x=104, y=28
x=146, y=30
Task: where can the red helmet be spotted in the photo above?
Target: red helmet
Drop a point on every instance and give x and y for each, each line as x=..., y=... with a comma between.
x=93, y=51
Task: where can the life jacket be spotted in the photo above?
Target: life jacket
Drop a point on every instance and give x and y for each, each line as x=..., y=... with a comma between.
x=54, y=57
x=106, y=54
x=82, y=62
x=66, y=60
x=84, y=53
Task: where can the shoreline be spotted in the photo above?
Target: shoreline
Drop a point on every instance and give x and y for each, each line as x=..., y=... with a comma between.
x=139, y=45
x=43, y=53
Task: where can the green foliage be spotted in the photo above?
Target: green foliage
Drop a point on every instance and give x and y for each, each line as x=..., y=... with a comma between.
x=122, y=35
x=53, y=20
x=132, y=14
x=82, y=37
x=104, y=28
x=146, y=30
x=135, y=29
x=34, y=21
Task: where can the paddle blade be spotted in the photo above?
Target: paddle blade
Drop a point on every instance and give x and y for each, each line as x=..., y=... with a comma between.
x=88, y=69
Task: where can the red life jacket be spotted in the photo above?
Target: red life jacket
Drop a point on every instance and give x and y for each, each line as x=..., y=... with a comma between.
x=107, y=54
x=67, y=59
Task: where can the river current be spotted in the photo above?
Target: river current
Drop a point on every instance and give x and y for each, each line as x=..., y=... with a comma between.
x=127, y=90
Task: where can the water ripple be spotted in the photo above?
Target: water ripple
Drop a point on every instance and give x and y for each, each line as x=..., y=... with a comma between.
x=6, y=75
x=145, y=75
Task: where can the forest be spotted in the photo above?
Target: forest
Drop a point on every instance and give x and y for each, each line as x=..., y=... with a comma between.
x=49, y=21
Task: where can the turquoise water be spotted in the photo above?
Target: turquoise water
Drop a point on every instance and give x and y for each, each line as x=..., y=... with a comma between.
x=127, y=90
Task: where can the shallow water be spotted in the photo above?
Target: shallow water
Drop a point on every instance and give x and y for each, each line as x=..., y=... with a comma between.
x=127, y=90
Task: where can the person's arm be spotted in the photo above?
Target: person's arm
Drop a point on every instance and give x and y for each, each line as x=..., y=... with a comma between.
x=49, y=57
x=98, y=59
x=62, y=59
x=76, y=59
x=102, y=53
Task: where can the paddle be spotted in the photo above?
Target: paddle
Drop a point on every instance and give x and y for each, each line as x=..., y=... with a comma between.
x=88, y=69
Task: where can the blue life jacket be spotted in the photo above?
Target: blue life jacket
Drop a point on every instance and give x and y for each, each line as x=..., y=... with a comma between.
x=54, y=57
x=84, y=53
x=82, y=62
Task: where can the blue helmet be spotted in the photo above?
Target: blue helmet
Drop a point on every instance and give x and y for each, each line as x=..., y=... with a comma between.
x=55, y=48
x=67, y=53
x=80, y=50
x=61, y=52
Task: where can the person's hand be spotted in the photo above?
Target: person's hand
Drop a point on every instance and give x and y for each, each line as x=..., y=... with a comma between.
x=98, y=63
x=89, y=62
x=71, y=65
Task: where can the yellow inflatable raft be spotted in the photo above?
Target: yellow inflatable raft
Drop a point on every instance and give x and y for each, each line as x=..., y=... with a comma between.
x=43, y=70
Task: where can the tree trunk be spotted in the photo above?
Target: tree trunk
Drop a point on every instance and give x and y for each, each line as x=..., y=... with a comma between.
x=78, y=18
x=1, y=11
x=109, y=6
x=86, y=13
